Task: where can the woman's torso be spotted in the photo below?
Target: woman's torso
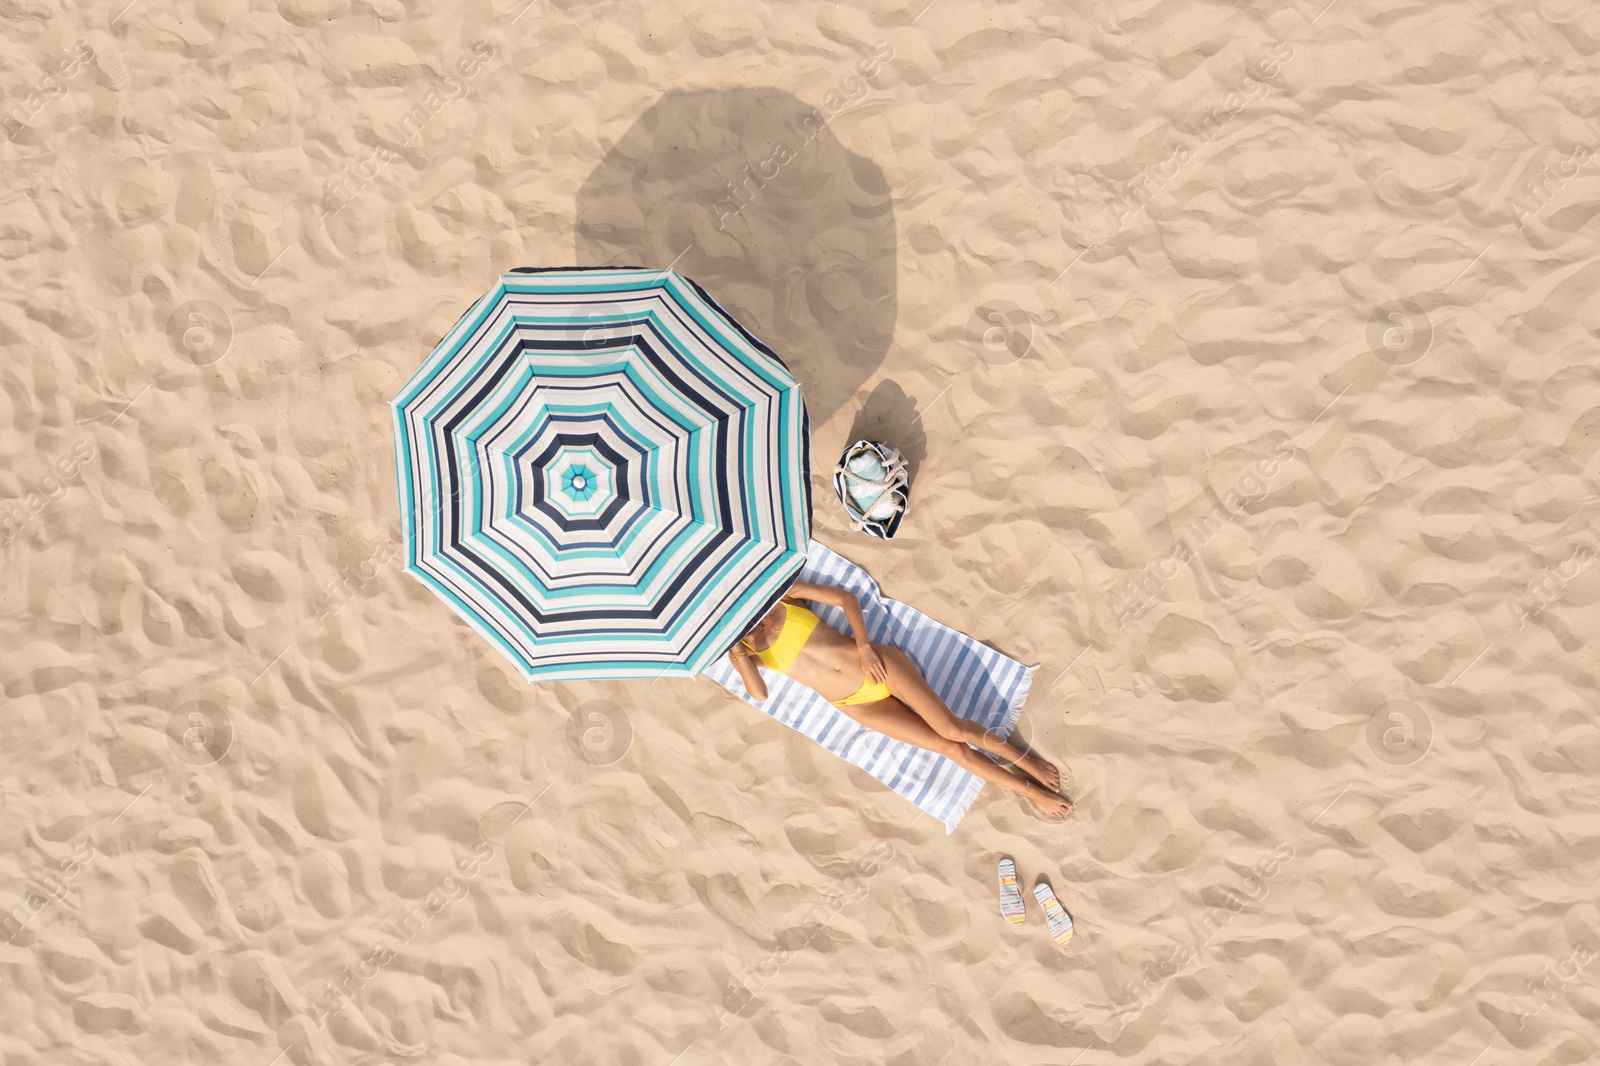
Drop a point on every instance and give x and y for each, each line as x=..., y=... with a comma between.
x=828, y=662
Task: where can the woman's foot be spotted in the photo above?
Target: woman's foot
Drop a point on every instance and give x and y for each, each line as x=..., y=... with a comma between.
x=1044, y=773
x=1048, y=803
x=1026, y=761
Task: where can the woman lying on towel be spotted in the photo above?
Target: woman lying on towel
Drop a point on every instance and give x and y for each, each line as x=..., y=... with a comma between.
x=882, y=689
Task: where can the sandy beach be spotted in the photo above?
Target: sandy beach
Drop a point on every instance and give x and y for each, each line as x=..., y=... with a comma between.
x=1245, y=360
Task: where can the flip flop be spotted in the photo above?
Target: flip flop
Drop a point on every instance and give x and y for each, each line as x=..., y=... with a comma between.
x=1011, y=905
x=1055, y=915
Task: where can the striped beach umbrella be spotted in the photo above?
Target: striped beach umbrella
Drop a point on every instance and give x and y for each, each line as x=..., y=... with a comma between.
x=603, y=473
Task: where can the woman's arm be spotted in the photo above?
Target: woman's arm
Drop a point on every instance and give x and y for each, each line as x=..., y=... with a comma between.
x=834, y=596
x=744, y=660
x=850, y=604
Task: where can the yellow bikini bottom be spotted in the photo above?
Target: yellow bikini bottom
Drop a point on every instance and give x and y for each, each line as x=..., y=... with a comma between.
x=869, y=692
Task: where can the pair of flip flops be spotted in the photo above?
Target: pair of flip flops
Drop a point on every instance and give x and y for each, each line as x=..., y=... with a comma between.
x=1015, y=911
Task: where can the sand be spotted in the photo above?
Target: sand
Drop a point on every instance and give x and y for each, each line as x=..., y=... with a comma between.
x=1245, y=358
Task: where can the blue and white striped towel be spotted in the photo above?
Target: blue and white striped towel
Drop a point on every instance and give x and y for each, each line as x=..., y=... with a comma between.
x=974, y=680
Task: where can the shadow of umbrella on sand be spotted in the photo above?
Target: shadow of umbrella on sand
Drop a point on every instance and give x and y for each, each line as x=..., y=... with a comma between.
x=748, y=192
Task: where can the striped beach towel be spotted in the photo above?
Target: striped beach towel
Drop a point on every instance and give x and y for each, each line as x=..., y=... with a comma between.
x=974, y=680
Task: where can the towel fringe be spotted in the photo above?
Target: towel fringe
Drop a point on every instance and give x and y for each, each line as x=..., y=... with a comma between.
x=964, y=804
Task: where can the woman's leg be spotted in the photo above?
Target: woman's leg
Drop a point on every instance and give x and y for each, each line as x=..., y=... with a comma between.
x=893, y=719
x=908, y=684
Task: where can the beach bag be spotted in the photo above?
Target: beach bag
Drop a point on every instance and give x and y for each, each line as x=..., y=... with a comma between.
x=873, y=485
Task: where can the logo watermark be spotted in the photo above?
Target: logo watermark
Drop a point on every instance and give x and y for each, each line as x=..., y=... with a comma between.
x=1542, y=189
x=199, y=332
x=854, y=90
x=1545, y=589
x=599, y=732
x=43, y=889
x=340, y=595
x=51, y=489
x=51, y=89
x=1000, y=333
x=199, y=733
x=1141, y=190
x=1540, y=992
x=341, y=990
x=1140, y=592
x=1399, y=332
x=1399, y=733
x=407, y=128
x=603, y=329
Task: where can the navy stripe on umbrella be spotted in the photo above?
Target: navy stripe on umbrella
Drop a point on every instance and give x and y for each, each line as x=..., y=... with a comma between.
x=604, y=473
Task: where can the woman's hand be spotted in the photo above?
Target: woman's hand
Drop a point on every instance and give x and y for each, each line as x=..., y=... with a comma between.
x=872, y=664
x=744, y=661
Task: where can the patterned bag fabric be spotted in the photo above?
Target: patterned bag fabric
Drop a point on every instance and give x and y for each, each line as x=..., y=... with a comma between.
x=873, y=485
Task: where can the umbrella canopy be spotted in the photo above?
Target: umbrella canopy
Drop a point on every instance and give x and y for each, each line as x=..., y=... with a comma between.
x=603, y=473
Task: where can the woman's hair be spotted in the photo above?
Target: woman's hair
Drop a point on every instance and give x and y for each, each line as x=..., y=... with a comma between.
x=748, y=633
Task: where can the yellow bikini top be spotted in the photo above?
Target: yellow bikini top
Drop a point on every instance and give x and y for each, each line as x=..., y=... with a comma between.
x=798, y=622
